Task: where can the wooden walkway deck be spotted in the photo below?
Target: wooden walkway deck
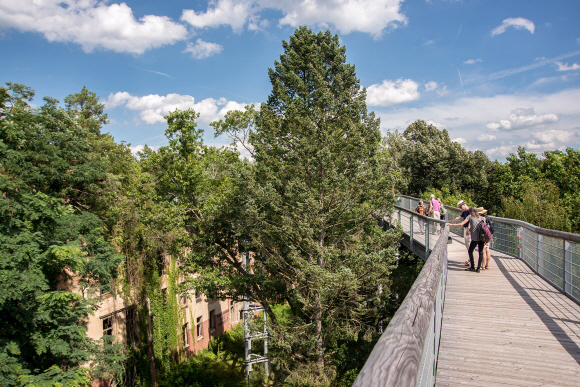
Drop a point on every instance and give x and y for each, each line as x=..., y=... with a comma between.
x=506, y=327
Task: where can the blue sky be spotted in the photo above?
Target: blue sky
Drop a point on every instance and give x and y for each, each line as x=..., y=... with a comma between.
x=495, y=74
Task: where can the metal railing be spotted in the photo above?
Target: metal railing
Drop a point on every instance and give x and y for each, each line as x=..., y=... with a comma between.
x=406, y=354
x=553, y=255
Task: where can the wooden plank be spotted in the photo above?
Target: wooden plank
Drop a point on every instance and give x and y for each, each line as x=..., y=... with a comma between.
x=506, y=326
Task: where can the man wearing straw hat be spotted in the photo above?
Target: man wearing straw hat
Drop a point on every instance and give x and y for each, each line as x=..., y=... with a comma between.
x=466, y=232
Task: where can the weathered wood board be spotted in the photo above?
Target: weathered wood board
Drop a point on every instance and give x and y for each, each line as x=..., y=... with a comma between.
x=506, y=327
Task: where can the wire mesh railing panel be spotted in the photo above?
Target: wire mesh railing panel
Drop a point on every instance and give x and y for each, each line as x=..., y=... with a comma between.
x=529, y=247
x=573, y=270
x=452, y=214
x=419, y=230
x=551, y=260
x=505, y=238
x=406, y=222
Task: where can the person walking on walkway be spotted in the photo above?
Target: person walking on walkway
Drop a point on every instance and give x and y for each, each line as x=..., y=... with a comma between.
x=421, y=209
x=475, y=223
x=434, y=208
x=486, y=252
x=442, y=209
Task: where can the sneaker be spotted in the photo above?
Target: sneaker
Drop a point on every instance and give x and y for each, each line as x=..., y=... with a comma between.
x=477, y=271
x=470, y=269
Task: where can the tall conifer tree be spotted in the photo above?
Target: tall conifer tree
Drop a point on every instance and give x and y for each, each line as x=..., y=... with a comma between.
x=317, y=191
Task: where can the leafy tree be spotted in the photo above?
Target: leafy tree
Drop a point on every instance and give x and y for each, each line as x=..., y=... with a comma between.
x=47, y=239
x=430, y=160
x=540, y=205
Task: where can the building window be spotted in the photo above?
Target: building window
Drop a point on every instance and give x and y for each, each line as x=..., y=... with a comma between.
x=197, y=296
x=198, y=327
x=212, y=321
x=232, y=311
x=185, y=338
x=108, y=326
x=184, y=299
x=130, y=320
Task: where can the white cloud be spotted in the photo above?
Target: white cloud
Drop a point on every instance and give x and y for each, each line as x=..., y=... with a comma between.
x=442, y=91
x=523, y=118
x=435, y=124
x=140, y=147
x=153, y=107
x=430, y=86
x=392, y=92
x=91, y=23
x=234, y=13
x=558, y=136
x=473, y=61
x=501, y=151
x=460, y=116
x=518, y=23
x=459, y=140
x=368, y=16
x=493, y=127
x=202, y=49
x=486, y=137
x=429, y=42
x=565, y=67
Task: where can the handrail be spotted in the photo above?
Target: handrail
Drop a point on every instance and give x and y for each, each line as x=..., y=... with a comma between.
x=569, y=236
x=553, y=255
x=406, y=354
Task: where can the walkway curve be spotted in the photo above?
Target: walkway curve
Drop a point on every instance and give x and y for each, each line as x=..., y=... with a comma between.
x=506, y=327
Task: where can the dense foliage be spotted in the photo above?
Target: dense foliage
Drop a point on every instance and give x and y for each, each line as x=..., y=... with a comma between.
x=49, y=233
x=542, y=191
x=80, y=217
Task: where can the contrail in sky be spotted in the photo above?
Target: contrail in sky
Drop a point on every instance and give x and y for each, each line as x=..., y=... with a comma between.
x=461, y=83
x=154, y=72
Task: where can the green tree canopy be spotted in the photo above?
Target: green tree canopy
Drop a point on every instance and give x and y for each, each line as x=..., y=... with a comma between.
x=47, y=238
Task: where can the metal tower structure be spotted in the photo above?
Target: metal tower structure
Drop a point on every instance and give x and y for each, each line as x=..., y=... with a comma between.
x=249, y=310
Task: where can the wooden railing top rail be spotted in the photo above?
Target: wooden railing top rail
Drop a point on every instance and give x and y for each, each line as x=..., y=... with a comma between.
x=396, y=358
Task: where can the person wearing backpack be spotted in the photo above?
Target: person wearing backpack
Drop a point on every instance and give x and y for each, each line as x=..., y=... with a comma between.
x=421, y=209
x=475, y=223
x=486, y=252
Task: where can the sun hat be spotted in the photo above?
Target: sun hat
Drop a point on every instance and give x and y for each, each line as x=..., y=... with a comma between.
x=461, y=202
x=481, y=211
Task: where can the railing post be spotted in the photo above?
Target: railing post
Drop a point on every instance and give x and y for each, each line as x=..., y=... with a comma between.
x=537, y=250
x=399, y=211
x=411, y=235
x=540, y=258
x=427, y=224
x=566, y=247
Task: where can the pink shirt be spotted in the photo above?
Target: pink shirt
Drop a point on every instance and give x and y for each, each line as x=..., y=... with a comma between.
x=435, y=205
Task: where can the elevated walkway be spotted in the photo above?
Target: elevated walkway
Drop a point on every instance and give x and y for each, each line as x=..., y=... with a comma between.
x=506, y=326
x=516, y=324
